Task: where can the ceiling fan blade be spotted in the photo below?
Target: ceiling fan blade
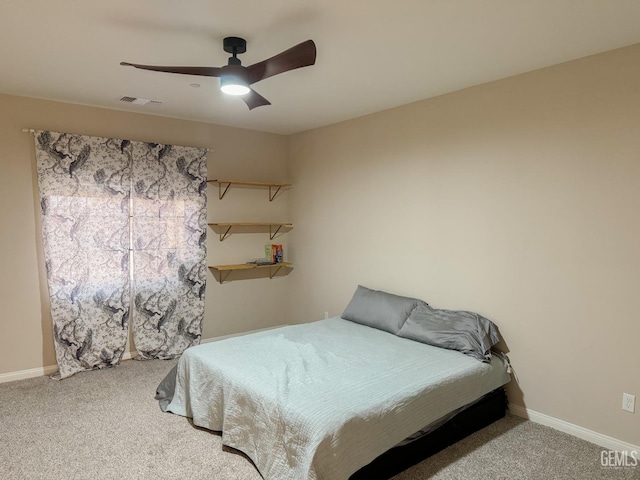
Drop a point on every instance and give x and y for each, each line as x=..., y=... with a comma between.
x=253, y=99
x=302, y=55
x=203, y=71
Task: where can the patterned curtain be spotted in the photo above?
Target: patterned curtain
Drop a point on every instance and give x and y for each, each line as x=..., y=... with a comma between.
x=85, y=195
x=169, y=241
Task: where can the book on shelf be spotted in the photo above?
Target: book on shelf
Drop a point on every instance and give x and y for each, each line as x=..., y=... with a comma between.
x=273, y=253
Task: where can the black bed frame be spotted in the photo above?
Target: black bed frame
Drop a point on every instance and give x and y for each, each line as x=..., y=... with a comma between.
x=491, y=408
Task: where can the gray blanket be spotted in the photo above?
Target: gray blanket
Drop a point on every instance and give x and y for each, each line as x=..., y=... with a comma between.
x=321, y=400
x=164, y=392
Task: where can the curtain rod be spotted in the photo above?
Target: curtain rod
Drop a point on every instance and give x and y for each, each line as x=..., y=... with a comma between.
x=31, y=131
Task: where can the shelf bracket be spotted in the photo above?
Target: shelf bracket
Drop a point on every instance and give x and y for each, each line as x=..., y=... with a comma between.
x=273, y=235
x=273, y=274
x=221, y=194
x=226, y=233
x=223, y=278
x=272, y=196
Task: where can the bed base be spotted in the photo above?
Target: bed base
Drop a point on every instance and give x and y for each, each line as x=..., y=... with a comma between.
x=491, y=408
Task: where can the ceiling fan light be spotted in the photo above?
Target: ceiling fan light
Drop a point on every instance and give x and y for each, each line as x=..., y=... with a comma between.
x=234, y=86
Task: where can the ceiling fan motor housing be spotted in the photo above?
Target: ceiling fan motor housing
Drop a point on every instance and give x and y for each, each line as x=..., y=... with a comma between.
x=235, y=71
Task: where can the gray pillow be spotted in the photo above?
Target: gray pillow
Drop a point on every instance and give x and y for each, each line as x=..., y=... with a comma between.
x=467, y=332
x=380, y=310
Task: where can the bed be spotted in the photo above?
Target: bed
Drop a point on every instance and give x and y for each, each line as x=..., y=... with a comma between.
x=323, y=400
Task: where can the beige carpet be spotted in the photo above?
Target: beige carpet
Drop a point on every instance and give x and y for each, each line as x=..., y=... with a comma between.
x=106, y=425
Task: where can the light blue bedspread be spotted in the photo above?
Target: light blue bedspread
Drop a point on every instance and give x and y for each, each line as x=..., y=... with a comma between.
x=321, y=400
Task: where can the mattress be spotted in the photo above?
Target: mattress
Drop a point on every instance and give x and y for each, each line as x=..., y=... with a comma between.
x=321, y=400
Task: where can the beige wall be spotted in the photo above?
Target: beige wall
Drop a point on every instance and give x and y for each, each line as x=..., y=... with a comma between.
x=25, y=322
x=518, y=199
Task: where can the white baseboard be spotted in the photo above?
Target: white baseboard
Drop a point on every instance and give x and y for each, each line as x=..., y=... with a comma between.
x=51, y=369
x=599, y=439
x=48, y=370
x=30, y=373
x=215, y=339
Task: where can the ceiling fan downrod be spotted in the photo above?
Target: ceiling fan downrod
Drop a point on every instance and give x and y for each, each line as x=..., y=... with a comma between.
x=235, y=46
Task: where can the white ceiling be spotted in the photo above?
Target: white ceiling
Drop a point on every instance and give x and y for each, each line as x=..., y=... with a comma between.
x=371, y=55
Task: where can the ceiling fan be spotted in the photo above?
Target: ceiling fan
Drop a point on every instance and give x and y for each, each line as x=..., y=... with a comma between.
x=236, y=79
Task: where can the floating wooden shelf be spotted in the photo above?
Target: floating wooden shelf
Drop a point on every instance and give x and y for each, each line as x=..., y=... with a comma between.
x=271, y=225
x=249, y=266
x=228, y=183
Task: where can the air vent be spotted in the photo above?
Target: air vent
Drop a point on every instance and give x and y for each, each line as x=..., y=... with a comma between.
x=139, y=101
